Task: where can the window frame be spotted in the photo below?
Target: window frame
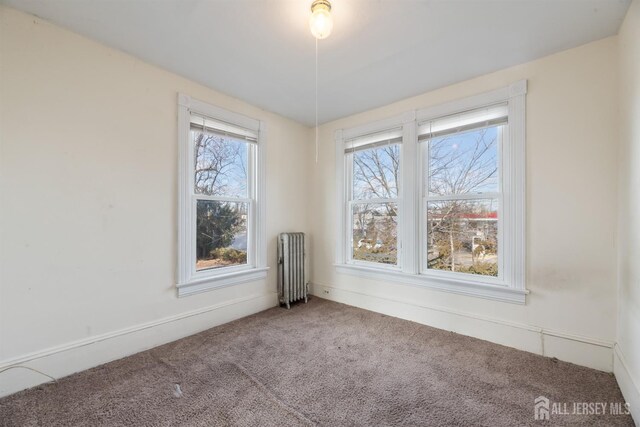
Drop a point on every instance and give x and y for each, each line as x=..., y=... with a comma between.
x=344, y=177
x=503, y=165
x=509, y=286
x=190, y=280
x=351, y=202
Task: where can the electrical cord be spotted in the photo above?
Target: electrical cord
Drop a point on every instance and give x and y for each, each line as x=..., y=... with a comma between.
x=31, y=369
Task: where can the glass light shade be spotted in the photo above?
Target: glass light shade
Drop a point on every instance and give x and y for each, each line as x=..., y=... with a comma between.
x=321, y=22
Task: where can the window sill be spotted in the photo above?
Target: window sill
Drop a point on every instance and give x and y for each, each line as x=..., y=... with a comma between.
x=481, y=290
x=221, y=281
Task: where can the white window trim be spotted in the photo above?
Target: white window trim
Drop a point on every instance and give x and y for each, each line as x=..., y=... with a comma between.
x=192, y=282
x=343, y=256
x=511, y=286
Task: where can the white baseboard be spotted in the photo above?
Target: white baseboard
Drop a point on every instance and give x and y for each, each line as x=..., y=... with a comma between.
x=629, y=385
x=584, y=351
x=87, y=353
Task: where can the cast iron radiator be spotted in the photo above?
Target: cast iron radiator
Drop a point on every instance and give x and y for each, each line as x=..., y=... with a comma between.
x=292, y=284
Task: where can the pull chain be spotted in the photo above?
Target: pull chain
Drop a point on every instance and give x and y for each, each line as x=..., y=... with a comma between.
x=316, y=100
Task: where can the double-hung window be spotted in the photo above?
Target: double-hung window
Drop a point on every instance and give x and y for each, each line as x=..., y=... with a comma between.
x=221, y=198
x=438, y=196
x=462, y=192
x=373, y=163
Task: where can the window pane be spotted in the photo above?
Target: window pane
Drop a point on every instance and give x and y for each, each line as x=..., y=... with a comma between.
x=375, y=173
x=462, y=236
x=221, y=234
x=221, y=165
x=375, y=232
x=463, y=163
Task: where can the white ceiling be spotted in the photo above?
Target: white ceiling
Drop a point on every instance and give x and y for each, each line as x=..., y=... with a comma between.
x=380, y=51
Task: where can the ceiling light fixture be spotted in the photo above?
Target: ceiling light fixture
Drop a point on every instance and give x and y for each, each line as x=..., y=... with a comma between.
x=320, y=21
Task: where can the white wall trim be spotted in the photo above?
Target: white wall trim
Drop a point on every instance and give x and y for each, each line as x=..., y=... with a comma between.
x=515, y=89
x=629, y=385
x=377, y=126
x=446, y=284
x=341, y=213
x=221, y=281
x=98, y=349
x=219, y=113
x=582, y=350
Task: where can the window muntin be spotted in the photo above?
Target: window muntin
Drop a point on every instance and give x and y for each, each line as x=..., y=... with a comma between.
x=374, y=162
x=462, y=192
x=224, y=156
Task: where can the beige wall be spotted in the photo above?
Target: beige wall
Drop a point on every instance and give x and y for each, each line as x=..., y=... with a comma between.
x=629, y=227
x=88, y=164
x=88, y=194
x=571, y=211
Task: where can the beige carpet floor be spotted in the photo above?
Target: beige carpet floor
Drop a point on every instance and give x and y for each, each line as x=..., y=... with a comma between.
x=321, y=363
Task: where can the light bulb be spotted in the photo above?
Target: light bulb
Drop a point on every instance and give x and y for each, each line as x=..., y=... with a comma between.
x=320, y=21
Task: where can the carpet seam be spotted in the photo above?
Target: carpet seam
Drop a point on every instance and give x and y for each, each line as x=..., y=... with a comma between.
x=272, y=395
